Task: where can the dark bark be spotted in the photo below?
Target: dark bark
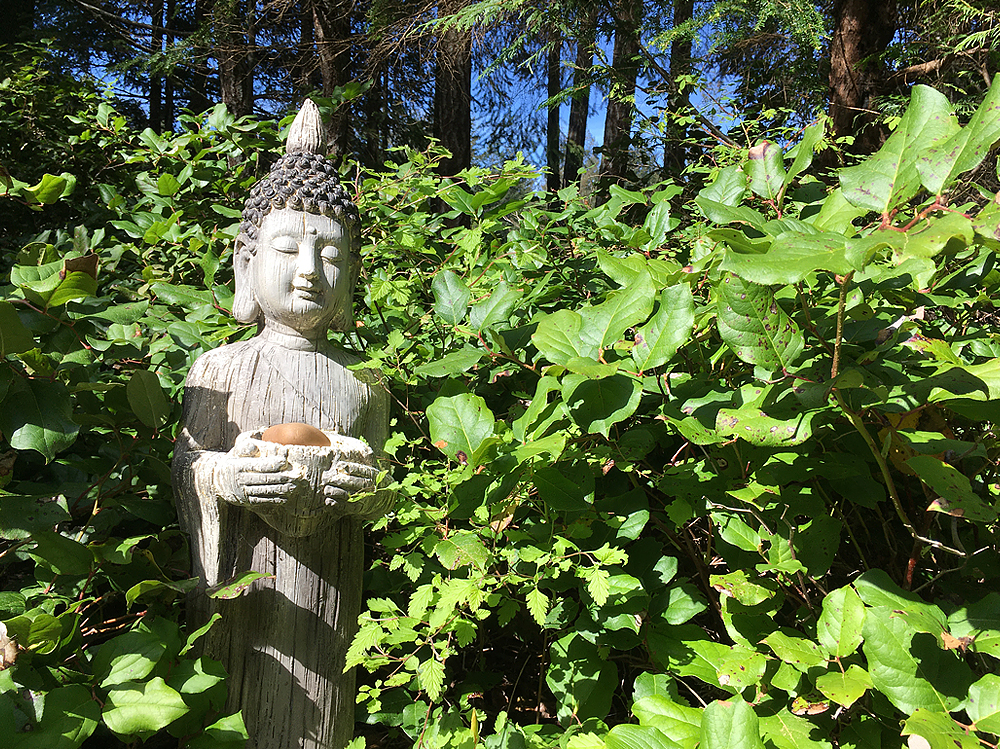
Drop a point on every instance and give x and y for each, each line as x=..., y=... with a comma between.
x=453, y=94
x=235, y=35
x=625, y=70
x=579, y=110
x=332, y=25
x=155, y=79
x=675, y=154
x=19, y=21
x=552, y=126
x=862, y=31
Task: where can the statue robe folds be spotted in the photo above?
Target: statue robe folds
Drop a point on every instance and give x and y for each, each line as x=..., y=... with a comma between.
x=283, y=642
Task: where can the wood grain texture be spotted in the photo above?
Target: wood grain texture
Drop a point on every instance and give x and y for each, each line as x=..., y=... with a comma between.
x=284, y=641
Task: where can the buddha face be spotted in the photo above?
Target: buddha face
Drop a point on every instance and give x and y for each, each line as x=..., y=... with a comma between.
x=301, y=271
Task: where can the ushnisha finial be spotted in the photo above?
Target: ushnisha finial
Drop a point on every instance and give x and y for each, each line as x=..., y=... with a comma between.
x=306, y=132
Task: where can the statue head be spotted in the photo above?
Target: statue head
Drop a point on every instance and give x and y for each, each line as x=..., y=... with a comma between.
x=297, y=257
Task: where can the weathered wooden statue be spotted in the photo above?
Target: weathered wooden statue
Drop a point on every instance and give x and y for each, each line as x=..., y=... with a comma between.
x=285, y=500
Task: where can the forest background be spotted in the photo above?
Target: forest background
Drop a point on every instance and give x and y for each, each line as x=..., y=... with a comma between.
x=694, y=435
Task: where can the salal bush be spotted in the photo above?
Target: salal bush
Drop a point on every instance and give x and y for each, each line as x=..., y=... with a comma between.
x=722, y=479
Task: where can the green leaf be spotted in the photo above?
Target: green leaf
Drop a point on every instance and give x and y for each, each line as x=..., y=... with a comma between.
x=844, y=688
x=940, y=164
x=226, y=733
x=955, y=495
x=22, y=516
x=62, y=555
x=431, y=675
x=789, y=731
x=740, y=668
x=755, y=327
x=451, y=297
x=739, y=585
x=559, y=338
x=729, y=187
x=791, y=257
x=460, y=424
x=983, y=705
x=841, y=622
x=38, y=415
x=765, y=168
x=605, y=324
x=451, y=364
x=757, y=428
x=128, y=657
x=981, y=621
x=811, y=137
x=496, y=308
x=52, y=187
x=581, y=680
x=730, y=725
x=562, y=492
x=235, y=586
x=147, y=399
x=597, y=405
x=69, y=716
x=167, y=185
x=14, y=337
x=680, y=722
x=939, y=730
x=461, y=549
x=909, y=668
x=889, y=179
x=658, y=225
x=142, y=709
x=625, y=736
x=538, y=605
x=794, y=649
x=657, y=341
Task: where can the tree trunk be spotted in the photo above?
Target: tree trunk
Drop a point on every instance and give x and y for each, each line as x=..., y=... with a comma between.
x=625, y=70
x=552, y=127
x=235, y=37
x=19, y=20
x=332, y=23
x=675, y=154
x=576, y=135
x=197, y=79
x=862, y=31
x=453, y=94
x=155, y=120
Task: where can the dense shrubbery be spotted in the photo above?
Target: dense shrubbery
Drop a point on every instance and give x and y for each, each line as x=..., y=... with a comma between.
x=669, y=475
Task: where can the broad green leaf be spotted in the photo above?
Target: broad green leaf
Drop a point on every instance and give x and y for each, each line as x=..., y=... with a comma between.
x=683, y=603
x=888, y=179
x=22, y=516
x=657, y=341
x=496, y=308
x=170, y=589
x=38, y=415
x=943, y=162
x=685, y=650
x=679, y=722
x=62, y=555
x=811, y=137
x=235, y=586
x=128, y=657
x=461, y=549
x=877, y=589
x=460, y=424
x=69, y=716
x=562, y=492
x=659, y=224
x=146, y=397
x=844, y=687
x=451, y=297
x=52, y=187
x=581, y=680
x=559, y=337
x=740, y=668
x=841, y=622
x=597, y=405
x=452, y=363
x=729, y=187
x=605, y=324
x=909, y=668
x=786, y=730
x=765, y=168
x=35, y=631
x=791, y=257
x=719, y=213
x=923, y=241
x=981, y=622
x=226, y=733
x=14, y=337
x=939, y=730
x=167, y=184
x=754, y=326
x=757, y=428
x=955, y=495
x=794, y=649
x=140, y=709
x=626, y=736
x=983, y=705
x=749, y=592
x=730, y=725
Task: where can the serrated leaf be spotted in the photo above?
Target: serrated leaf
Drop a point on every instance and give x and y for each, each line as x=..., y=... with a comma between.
x=451, y=297
x=431, y=675
x=754, y=326
x=730, y=725
x=597, y=584
x=841, y=622
x=460, y=424
x=657, y=341
x=538, y=605
x=890, y=178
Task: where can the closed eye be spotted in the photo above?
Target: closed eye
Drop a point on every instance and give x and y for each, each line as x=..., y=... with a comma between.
x=330, y=253
x=285, y=244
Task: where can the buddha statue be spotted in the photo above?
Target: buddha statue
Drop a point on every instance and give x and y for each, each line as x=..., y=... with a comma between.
x=291, y=511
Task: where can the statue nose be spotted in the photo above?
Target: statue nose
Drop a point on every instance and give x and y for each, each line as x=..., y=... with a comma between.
x=308, y=263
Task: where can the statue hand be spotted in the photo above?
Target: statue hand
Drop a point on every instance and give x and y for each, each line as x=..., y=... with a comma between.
x=256, y=480
x=345, y=478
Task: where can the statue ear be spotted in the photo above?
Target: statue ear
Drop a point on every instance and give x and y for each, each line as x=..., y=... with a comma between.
x=245, y=307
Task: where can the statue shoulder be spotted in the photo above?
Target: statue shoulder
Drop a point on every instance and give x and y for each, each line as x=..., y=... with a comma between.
x=214, y=364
